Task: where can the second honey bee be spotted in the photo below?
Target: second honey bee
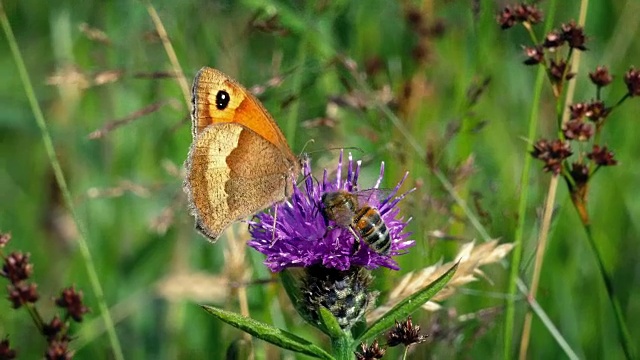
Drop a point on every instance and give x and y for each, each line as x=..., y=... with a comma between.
x=364, y=222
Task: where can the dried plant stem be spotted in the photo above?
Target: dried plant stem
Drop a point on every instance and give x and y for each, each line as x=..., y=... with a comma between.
x=62, y=184
x=542, y=245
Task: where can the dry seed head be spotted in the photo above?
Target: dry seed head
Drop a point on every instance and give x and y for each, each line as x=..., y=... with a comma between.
x=470, y=258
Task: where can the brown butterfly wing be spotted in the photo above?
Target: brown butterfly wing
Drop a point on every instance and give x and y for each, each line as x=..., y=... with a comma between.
x=232, y=173
x=243, y=108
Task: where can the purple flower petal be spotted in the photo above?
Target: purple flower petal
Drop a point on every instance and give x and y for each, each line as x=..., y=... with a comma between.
x=302, y=237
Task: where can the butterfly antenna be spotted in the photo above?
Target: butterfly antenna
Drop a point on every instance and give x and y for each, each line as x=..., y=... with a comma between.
x=355, y=148
x=302, y=153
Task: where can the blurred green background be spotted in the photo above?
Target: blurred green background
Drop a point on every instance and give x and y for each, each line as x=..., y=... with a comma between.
x=96, y=62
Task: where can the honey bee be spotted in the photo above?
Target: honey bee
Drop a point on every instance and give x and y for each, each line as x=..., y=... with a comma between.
x=364, y=222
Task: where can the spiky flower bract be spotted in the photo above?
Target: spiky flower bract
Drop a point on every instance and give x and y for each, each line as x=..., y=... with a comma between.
x=302, y=238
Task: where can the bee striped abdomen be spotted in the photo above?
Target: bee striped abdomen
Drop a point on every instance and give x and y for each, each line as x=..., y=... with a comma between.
x=372, y=229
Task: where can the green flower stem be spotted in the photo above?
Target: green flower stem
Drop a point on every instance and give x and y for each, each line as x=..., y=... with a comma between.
x=342, y=347
x=625, y=337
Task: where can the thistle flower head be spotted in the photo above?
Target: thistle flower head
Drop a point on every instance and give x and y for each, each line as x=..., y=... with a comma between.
x=302, y=237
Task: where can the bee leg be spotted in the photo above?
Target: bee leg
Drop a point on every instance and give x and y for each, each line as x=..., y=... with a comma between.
x=357, y=244
x=327, y=229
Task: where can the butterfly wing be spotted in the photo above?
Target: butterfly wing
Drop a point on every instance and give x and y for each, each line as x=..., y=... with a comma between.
x=232, y=173
x=243, y=108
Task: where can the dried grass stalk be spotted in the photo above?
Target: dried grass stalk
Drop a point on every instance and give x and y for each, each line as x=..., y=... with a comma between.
x=471, y=257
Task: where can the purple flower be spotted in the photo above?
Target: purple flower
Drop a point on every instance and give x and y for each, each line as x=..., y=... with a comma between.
x=302, y=237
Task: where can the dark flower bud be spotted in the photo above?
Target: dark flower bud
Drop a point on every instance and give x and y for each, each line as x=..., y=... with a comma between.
x=53, y=328
x=22, y=293
x=602, y=156
x=601, y=77
x=574, y=35
x=6, y=352
x=405, y=333
x=370, y=352
x=579, y=110
x=532, y=14
x=58, y=350
x=596, y=110
x=535, y=55
x=553, y=40
x=551, y=153
x=71, y=300
x=577, y=130
x=414, y=18
x=558, y=70
x=16, y=267
x=521, y=13
x=579, y=173
x=506, y=18
x=632, y=79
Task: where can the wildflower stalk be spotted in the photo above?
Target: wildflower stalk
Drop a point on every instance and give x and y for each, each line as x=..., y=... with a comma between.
x=62, y=183
x=572, y=128
x=342, y=347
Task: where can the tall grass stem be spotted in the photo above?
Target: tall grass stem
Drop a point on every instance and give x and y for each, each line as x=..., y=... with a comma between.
x=522, y=208
x=62, y=184
x=625, y=337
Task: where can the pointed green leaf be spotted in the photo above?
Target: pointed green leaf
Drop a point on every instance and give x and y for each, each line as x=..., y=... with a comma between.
x=266, y=332
x=407, y=306
x=332, y=328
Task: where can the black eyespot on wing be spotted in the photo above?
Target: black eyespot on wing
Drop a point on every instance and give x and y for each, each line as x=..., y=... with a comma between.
x=222, y=100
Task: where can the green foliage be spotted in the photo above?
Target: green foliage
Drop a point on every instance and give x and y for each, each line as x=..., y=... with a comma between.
x=407, y=306
x=266, y=332
x=127, y=192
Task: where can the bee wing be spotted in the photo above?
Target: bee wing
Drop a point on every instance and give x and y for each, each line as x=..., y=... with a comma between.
x=376, y=195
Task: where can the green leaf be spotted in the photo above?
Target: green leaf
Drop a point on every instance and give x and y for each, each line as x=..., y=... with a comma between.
x=407, y=306
x=330, y=324
x=266, y=332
